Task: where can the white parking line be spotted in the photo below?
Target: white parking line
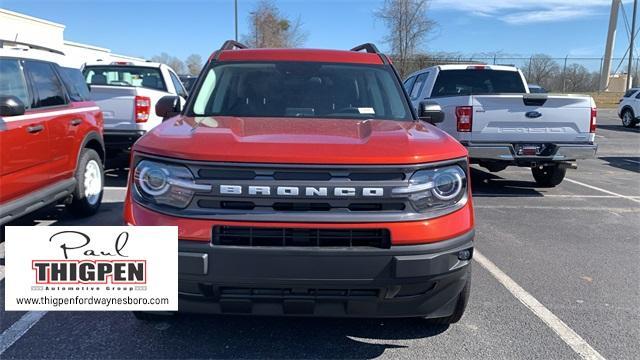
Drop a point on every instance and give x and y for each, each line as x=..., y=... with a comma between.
x=1, y=257
x=551, y=196
x=563, y=208
x=19, y=328
x=632, y=161
x=570, y=337
x=603, y=190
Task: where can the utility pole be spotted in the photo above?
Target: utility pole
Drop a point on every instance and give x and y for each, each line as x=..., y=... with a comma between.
x=608, y=49
x=632, y=43
x=236, y=17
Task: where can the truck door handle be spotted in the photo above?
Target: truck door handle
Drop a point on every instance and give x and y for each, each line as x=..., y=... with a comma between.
x=35, y=129
x=76, y=122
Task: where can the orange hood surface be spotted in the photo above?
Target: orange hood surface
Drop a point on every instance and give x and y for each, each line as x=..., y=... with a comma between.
x=299, y=141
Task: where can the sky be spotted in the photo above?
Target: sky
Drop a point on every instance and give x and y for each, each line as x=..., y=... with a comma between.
x=143, y=28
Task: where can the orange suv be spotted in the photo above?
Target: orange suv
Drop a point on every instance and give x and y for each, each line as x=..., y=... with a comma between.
x=51, y=146
x=303, y=183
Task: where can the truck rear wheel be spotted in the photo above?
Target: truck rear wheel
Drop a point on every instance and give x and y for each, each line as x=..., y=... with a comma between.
x=549, y=176
x=89, y=188
x=461, y=306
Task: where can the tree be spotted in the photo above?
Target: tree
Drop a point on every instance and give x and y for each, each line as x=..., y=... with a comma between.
x=173, y=62
x=541, y=70
x=407, y=26
x=577, y=78
x=270, y=29
x=194, y=64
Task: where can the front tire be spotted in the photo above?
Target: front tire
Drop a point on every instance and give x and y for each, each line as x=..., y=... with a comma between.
x=549, y=176
x=87, y=196
x=461, y=306
x=628, y=118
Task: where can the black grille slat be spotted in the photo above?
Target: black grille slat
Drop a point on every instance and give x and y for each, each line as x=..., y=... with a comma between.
x=281, y=293
x=299, y=237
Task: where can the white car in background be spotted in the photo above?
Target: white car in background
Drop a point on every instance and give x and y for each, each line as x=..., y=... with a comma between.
x=127, y=93
x=629, y=108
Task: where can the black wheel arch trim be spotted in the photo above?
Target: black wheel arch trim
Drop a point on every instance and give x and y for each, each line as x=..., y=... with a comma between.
x=93, y=135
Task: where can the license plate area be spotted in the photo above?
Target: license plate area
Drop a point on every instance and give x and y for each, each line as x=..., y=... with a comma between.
x=530, y=149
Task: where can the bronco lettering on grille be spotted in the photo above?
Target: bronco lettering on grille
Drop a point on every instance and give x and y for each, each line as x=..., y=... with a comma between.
x=307, y=191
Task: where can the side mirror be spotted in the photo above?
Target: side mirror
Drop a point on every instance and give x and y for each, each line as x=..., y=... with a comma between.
x=168, y=106
x=431, y=112
x=11, y=106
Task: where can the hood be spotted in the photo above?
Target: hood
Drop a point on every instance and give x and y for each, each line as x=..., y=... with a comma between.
x=299, y=141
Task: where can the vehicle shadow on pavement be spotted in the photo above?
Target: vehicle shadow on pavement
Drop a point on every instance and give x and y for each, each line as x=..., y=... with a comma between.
x=198, y=336
x=619, y=128
x=110, y=213
x=116, y=177
x=486, y=184
x=631, y=163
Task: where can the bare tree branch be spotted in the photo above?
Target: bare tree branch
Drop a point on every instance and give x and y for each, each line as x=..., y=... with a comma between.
x=270, y=29
x=408, y=26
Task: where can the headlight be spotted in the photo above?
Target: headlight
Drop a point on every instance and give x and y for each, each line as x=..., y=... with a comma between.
x=436, y=189
x=165, y=184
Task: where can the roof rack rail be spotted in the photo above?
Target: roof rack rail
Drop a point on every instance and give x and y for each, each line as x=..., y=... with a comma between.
x=369, y=47
x=31, y=46
x=231, y=44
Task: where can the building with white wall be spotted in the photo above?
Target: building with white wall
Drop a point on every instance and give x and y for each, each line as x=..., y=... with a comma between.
x=25, y=29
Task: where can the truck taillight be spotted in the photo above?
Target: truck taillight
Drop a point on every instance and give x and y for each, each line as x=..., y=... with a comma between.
x=594, y=114
x=464, y=118
x=142, y=108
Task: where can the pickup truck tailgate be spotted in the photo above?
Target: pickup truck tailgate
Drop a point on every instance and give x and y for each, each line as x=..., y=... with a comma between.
x=117, y=104
x=527, y=118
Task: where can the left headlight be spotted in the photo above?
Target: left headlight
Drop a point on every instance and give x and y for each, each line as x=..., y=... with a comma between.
x=165, y=184
x=436, y=189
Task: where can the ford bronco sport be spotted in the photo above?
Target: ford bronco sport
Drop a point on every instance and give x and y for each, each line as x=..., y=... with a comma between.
x=51, y=146
x=303, y=183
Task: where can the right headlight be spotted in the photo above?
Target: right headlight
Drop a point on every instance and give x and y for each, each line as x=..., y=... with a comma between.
x=165, y=184
x=436, y=189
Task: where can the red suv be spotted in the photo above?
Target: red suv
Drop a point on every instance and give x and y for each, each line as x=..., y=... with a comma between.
x=303, y=183
x=51, y=145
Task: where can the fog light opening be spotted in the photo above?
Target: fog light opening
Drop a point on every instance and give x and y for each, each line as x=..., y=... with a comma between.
x=465, y=255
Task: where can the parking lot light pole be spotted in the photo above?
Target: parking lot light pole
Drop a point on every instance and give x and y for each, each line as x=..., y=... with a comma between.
x=236, y=17
x=632, y=43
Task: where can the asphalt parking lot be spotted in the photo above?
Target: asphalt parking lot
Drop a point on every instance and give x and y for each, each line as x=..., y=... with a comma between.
x=573, y=249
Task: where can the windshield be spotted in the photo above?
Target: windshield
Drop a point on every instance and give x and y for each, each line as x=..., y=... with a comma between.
x=136, y=76
x=301, y=89
x=477, y=82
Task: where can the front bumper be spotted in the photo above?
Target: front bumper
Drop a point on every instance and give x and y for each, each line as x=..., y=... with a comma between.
x=404, y=281
x=507, y=152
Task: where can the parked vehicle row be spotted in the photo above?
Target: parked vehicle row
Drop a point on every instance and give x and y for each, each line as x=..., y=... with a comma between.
x=489, y=109
x=51, y=143
x=304, y=182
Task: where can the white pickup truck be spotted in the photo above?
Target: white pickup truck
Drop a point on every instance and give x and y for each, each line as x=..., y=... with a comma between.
x=488, y=109
x=127, y=93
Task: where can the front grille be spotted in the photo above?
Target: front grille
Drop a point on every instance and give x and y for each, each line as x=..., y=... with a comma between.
x=299, y=193
x=301, y=206
x=297, y=237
